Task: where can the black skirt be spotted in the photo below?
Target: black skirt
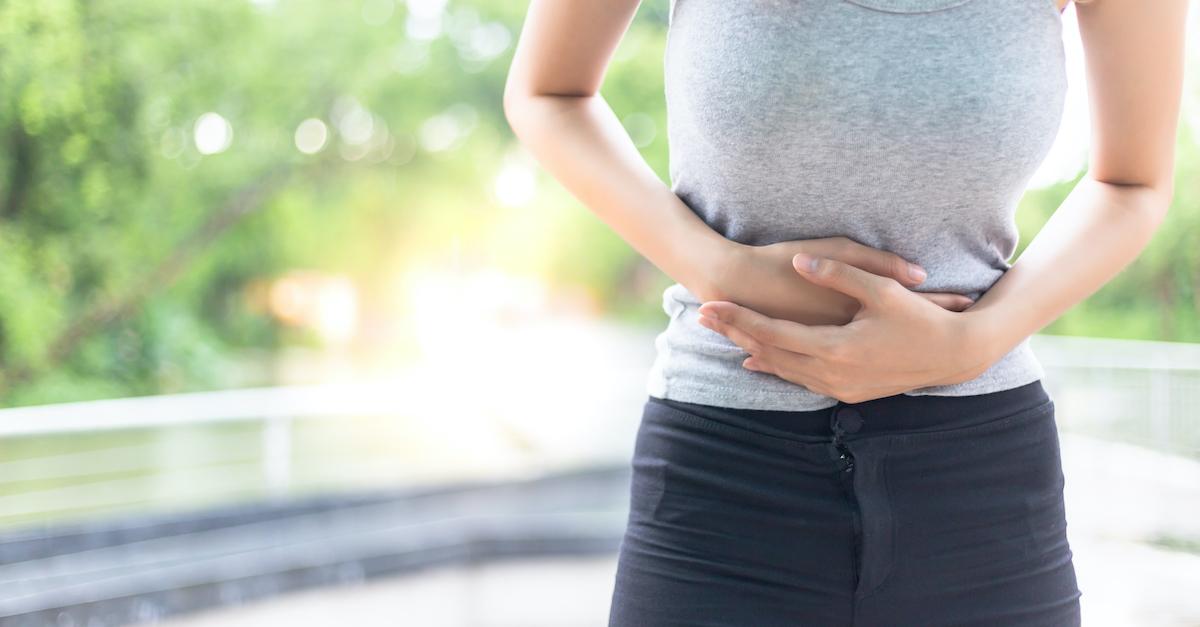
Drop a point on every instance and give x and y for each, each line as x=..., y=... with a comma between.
x=899, y=511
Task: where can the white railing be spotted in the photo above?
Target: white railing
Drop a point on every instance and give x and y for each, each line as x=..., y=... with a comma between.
x=274, y=407
x=1146, y=393
x=139, y=453
x=1143, y=392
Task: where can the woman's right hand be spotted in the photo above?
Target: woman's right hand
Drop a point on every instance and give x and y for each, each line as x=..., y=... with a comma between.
x=763, y=279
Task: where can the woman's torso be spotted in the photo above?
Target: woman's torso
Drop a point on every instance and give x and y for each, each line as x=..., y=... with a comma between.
x=912, y=126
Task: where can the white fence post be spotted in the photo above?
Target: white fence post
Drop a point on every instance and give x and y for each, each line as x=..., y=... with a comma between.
x=1160, y=402
x=277, y=454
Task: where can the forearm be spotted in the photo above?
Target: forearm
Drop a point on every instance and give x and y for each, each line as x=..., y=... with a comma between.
x=1098, y=230
x=581, y=143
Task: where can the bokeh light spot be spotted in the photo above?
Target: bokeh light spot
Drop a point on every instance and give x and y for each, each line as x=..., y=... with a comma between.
x=213, y=134
x=311, y=136
x=641, y=129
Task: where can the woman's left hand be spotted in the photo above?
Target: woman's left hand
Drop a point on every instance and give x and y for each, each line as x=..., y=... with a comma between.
x=897, y=342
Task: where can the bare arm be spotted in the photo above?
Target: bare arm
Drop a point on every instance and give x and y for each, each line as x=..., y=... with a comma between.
x=1134, y=54
x=553, y=104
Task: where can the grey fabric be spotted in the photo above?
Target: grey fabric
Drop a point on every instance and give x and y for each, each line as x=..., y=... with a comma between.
x=911, y=126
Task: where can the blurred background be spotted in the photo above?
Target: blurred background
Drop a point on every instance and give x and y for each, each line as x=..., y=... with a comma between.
x=287, y=318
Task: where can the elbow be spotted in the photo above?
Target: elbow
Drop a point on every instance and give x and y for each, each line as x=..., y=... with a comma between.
x=512, y=101
x=516, y=100
x=518, y=106
x=1156, y=194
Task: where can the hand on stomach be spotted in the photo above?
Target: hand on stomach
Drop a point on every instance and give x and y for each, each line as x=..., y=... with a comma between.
x=762, y=278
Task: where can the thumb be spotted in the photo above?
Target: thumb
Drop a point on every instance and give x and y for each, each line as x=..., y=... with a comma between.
x=850, y=280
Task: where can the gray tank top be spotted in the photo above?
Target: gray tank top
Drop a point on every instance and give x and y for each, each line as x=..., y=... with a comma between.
x=912, y=126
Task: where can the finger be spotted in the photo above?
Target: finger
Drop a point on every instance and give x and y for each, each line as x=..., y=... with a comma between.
x=795, y=367
x=947, y=300
x=767, y=354
x=759, y=363
x=879, y=262
x=865, y=287
x=738, y=336
x=793, y=336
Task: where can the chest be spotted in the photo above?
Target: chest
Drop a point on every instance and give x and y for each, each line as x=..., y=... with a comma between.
x=970, y=78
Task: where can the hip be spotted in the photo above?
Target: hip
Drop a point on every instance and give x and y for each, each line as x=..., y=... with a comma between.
x=911, y=509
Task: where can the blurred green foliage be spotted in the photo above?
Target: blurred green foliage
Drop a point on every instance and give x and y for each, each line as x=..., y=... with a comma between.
x=129, y=260
x=1157, y=297
x=126, y=254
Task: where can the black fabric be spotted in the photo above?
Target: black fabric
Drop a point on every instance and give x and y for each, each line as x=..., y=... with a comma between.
x=900, y=511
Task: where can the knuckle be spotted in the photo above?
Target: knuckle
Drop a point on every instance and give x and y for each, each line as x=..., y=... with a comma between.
x=791, y=372
x=889, y=291
x=843, y=390
x=765, y=332
x=835, y=351
x=765, y=356
x=855, y=397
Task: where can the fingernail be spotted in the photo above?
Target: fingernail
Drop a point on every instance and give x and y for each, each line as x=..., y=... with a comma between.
x=710, y=314
x=804, y=262
x=916, y=272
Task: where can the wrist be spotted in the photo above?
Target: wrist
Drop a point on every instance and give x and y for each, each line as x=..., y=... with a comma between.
x=719, y=263
x=984, y=336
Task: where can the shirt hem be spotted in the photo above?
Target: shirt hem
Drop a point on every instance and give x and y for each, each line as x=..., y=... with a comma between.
x=673, y=388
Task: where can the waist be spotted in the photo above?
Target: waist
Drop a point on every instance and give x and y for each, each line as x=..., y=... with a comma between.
x=900, y=413
x=695, y=364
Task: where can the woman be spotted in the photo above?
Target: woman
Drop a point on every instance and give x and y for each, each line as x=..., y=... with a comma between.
x=845, y=424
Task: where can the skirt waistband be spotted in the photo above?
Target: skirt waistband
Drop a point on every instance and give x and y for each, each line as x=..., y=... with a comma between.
x=900, y=413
